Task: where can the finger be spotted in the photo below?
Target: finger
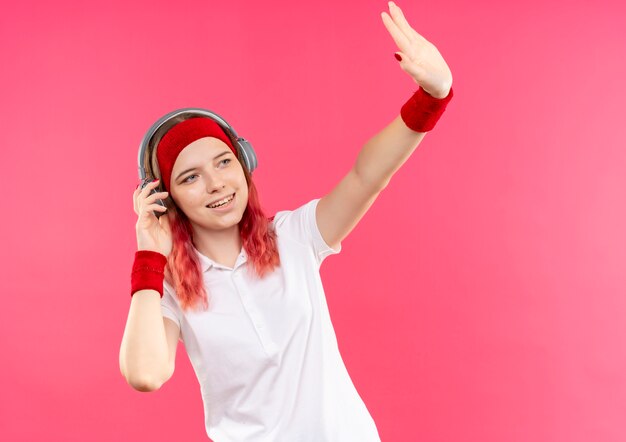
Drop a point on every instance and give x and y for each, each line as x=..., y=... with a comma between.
x=148, y=188
x=400, y=20
x=156, y=207
x=412, y=68
x=403, y=24
x=153, y=199
x=398, y=36
x=135, y=195
x=155, y=196
x=143, y=194
x=151, y=208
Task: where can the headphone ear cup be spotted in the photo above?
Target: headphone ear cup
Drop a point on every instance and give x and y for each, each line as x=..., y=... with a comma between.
x=147, y=180
x=248, y=156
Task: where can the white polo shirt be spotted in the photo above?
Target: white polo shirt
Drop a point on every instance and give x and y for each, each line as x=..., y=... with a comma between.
x=265, y=352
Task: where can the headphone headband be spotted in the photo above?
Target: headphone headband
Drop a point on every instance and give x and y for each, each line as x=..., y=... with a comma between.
x=245, y=151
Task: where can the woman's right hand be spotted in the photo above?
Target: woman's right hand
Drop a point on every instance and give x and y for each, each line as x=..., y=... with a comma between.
x=153, y=233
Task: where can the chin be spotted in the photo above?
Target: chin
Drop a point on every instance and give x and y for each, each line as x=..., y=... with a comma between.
x=221, y=222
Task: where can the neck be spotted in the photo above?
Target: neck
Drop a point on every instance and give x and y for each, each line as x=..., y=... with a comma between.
x=222, y=246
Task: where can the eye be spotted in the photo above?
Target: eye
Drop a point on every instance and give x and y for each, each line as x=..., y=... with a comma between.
x=227, y=159
x=187, y=179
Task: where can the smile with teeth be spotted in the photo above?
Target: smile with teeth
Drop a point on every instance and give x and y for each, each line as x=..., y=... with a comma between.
x=223, y=202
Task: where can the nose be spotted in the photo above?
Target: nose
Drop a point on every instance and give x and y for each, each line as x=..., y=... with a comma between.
x=215, y=183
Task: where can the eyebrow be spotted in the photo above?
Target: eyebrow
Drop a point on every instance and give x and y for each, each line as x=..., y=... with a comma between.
x=198, y=167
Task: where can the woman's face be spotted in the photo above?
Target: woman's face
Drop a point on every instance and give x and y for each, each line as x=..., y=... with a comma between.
x=205, y=172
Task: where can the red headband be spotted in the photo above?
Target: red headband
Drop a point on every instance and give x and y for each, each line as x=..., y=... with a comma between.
x=180, y=136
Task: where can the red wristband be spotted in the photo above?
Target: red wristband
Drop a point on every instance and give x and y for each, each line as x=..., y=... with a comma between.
x=422, y=111
x=148, y=271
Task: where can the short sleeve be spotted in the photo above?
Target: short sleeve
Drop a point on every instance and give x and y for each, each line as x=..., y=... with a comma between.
x=301, y=225
x=169, y=308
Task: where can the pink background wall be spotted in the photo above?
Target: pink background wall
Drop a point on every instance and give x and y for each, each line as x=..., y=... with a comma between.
x=482, y=298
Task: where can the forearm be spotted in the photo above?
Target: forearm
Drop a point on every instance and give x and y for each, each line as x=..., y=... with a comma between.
x=144, y=350
x=385, y=152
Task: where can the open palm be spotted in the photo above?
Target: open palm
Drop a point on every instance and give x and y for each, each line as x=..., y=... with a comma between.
x=420, y=58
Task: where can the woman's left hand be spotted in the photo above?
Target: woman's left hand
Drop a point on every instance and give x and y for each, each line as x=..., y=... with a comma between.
x=420, y=58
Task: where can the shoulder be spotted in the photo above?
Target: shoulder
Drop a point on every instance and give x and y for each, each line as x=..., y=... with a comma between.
x=295, y=224
x=286, y=218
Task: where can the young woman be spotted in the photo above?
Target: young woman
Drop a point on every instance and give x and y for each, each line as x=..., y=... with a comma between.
x=243, y=291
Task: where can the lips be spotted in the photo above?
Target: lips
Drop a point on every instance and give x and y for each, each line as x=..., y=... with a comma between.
x=232, y=196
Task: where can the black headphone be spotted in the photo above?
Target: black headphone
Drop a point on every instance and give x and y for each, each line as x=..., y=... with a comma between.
x=245, y=152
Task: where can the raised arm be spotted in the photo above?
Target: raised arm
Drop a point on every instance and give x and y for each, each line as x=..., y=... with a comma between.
x=339, y=211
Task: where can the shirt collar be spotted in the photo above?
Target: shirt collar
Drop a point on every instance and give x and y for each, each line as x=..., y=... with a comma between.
x=207, y=263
